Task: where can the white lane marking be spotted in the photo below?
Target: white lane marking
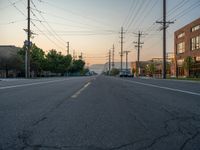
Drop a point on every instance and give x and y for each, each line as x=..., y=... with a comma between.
x=162, y=87
x=81, y=90
x=29, y=84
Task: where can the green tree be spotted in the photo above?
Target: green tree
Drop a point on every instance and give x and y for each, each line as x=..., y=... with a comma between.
x=133, y=71
x=77, y=66
x=37, y=60
x=57, y=63
x=150, y=69
x=168, y=68
x=114, y=71
x=188, y=63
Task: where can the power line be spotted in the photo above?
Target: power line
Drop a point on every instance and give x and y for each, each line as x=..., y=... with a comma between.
x=129, y=12
x=45, y=35
x=59, y=39
x=177, y=7
x=19, y=10
x=11, y=4
x=12, y=22
x=148, y=12
x=136, y=12
x=89, y=18
x=190, y=8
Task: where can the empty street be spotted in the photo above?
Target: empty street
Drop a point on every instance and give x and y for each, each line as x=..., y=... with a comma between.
x=99, y=113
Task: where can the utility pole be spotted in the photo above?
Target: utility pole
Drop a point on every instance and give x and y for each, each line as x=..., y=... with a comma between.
x=109, y=68
x=28, y=44
x=165, y=25
x=74, y=57
x=121, y=53
x=67, y=48
x=81, y=56
x=113, y=56
x=126, y=52
x=138, y=46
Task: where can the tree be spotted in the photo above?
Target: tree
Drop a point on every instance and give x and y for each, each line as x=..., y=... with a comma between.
x=168, y=68
x=37, y=60
x=188, y=63
x=57, y=63
x=114, y=71
x=133, y=71
x=77, y=66
x=150, y=69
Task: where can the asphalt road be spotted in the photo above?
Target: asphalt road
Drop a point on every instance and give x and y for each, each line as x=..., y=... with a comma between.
x=99, y=113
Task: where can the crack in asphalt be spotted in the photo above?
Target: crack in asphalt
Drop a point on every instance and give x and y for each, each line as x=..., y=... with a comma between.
x=176, y=119
x=128, y=144
x=188, y=140
x=180, y=128
x=40, y=120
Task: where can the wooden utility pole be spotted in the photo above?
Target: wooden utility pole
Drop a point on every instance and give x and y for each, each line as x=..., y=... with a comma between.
x=27, y=54
x=113, y=56
x=165, y=25
x=67, y=48
x=126, y=52
x=121, y=53
x=109, y=67
x=138, y=46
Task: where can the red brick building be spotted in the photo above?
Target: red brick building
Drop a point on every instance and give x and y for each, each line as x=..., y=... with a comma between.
x=187, y=43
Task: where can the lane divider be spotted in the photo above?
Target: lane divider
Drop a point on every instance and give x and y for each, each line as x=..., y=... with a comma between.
x=29, y=84
x=81, y=90
x=163, y=87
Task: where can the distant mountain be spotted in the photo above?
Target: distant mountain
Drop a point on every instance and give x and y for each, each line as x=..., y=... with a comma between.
x=99, y=68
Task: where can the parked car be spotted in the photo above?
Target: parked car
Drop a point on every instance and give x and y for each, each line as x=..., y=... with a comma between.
x=125, y=73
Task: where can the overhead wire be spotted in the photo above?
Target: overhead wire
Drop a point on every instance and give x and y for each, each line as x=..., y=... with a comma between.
x=49, y=31
x=45, y=35
x=19, y=10
x=12, y=22
x=89, y=18
x=11, y=4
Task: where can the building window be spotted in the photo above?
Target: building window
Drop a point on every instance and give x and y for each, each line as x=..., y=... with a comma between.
x=181, y=35
x=181, y=48
x=180, y=62
x=198, y=58
x=196, y=28
x=195, y=43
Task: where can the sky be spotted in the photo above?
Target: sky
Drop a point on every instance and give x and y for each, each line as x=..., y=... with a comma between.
x=93, y=26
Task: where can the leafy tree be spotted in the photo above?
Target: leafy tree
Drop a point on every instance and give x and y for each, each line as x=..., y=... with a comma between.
x=150, y=69
x=51, y=63
x=37, y=59
x=114, y=71
x=133, y=71
x=57, y=63
x=168, y=68
x=77, y=66
x=188, y=63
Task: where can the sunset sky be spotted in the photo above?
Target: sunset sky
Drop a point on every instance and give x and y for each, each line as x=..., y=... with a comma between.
x=93, y=26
